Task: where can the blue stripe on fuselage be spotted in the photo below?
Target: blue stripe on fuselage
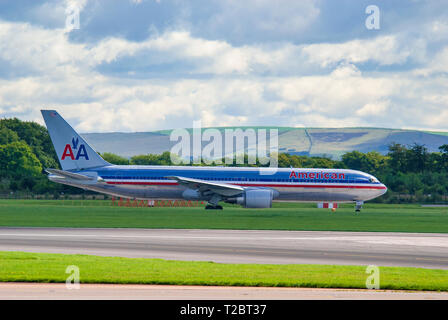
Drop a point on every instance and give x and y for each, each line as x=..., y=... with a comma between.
x=228, y=174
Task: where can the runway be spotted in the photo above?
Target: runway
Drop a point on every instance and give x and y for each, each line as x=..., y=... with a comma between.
x=238, y=246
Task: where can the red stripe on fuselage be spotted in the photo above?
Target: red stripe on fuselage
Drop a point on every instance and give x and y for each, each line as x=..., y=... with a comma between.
x=256, y=185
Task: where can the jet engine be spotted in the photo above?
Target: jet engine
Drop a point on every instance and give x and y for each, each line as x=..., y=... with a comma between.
x=254, y=198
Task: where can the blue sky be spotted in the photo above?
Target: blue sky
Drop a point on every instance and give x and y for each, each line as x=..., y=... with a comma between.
x=142, y=65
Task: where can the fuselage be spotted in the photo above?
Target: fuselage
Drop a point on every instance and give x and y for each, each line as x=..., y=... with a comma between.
x=288, y=184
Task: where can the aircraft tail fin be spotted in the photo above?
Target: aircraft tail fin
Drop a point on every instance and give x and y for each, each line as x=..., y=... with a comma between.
x=73, y=151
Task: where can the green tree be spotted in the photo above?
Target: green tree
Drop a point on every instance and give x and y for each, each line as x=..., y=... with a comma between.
x=371, y=162
x=163, y=159
x=35, y=136
x=417, y=158
x=7, y=135
x=444, y=157
x=398, y=157
x=18, y=160
x=317, y=162
x=285, y=161
x=114, y=159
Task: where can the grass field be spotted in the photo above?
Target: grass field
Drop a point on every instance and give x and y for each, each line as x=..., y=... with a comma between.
x=284, y=216
x=40, y=267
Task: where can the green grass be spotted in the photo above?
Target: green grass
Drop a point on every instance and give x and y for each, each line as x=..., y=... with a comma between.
x=284, y=216
x=42, y=267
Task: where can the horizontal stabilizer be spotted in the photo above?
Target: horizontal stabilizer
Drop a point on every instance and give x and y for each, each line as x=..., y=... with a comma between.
x=67, y=174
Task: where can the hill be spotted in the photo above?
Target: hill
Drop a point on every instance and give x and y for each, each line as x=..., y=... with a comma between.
x=332, y=142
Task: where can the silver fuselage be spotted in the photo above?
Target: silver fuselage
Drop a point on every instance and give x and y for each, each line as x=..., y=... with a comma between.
x=289, y=184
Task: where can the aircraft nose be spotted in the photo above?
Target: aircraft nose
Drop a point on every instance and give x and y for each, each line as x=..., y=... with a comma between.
x=383, y=190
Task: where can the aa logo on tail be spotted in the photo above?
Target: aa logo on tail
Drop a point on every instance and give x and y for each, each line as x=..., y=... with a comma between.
x=81, y=151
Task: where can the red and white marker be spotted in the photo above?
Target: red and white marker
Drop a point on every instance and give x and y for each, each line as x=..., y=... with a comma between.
x=327, y=205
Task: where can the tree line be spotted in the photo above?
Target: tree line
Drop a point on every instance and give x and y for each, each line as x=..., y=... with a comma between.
x=412, y=173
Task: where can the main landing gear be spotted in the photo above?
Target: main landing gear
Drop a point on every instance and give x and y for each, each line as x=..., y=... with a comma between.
x=358, y=206
x=212, y=207
x=213, y=203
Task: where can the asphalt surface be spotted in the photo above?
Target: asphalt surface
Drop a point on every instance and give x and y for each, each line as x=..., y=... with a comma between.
x=52, y=291
x=238, y=246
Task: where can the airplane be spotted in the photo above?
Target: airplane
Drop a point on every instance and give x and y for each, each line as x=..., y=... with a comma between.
x=82, y=167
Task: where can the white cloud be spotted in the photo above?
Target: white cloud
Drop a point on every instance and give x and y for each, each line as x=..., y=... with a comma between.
x=385, y=50
x=80, y=4
x=251, y=19
x=50, y=51
x=373, y=109
x=38, y=49
x=438, y=64
x=346, y=70
x=438, y=30
x=281, y=84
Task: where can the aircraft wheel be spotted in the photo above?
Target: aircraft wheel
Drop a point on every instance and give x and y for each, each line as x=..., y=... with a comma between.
x=210, y=207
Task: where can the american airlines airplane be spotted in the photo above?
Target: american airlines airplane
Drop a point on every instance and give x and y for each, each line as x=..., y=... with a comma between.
x=82, y=167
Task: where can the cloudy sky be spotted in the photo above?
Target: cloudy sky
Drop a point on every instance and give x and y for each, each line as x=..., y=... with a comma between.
x=143, y=65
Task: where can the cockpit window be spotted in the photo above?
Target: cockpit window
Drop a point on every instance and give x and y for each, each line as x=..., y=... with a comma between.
x=374, y=180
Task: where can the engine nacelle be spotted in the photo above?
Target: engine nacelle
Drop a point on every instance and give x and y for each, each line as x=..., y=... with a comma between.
x=190, y=194
x=256, y=198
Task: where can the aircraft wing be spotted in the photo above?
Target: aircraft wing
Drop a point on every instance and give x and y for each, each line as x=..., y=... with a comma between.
x=67, y=174
x=223, y=189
